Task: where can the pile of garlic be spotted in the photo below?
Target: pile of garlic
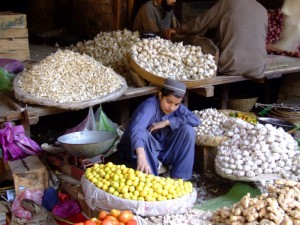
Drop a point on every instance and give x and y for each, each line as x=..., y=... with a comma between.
x=111, y=49
x=67, y=77
x=190, y=217
x=211, y=122
x=251, y=150
x=173, y=60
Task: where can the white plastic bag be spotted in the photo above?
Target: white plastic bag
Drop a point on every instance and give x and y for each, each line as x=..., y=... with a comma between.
x=97, y=198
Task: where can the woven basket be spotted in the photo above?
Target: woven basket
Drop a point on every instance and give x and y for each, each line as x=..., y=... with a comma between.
x=242, y=104
x=289, y=115
x=210, y=141
x=29, y=99
x=208, y=47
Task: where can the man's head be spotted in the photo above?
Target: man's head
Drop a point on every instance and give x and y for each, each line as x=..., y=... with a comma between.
x=168, y=5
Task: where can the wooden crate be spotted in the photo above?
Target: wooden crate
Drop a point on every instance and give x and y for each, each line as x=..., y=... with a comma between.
x=29, y=173
x=14, y=36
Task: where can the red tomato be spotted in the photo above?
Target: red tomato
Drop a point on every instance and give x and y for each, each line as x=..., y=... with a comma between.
x=102, y=215
x=115, y=212
x=125, y=216
x=110, y=222
x=110, y=217
x=89, y=222
x=132, y=222
x=78, y=223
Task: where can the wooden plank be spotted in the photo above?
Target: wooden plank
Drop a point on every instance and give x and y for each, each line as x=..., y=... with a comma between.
x=14, y=44
x=14, y=33
x=17, y=48
x=10, y=20
x=206, y=91
x=136, y=92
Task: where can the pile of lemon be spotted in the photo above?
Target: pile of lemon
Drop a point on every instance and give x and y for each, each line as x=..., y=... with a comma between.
x=248, y=117
x=128, y=183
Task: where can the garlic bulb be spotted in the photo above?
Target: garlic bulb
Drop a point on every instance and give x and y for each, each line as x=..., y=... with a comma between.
x=111, y=49
x=262, y=149
x=173, y=60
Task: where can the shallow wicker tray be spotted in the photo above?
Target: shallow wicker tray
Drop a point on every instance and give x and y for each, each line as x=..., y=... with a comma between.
x=208, y=47
x=263, y=177
x=210, y=141
x=27, y=98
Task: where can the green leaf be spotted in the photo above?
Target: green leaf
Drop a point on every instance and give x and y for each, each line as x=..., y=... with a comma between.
x=233, y=196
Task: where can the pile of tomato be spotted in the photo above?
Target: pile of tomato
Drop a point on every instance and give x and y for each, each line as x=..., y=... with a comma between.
x=114, y=217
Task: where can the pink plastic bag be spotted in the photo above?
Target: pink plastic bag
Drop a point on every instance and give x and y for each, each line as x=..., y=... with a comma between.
x=14, y=143
x=18, y=210
x=88, y=123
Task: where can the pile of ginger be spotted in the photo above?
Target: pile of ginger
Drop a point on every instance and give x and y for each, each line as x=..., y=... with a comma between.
x=280, y=205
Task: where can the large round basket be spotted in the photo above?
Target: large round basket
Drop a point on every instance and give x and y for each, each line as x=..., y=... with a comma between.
x=27, y=98
x=290, y=115
x=242, y=104
x=208, y=47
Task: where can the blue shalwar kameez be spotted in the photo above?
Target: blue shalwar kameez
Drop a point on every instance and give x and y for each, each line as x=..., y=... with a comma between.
x=173, y=145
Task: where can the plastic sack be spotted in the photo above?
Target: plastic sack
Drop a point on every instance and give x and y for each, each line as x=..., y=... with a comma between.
x=18, y=210
x=88, y=123
x=97, y=198
x=6, y=80
x=95, y=121
x=66, y=208
x=14, y=143
x=12, y=65
x=103, y=122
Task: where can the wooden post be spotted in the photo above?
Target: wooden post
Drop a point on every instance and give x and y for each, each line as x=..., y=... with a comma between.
x=224, y=97
x=117, y=13
x=130, y=5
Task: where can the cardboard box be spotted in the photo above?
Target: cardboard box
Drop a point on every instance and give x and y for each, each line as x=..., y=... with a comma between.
x=29, y=173
x=14, y=42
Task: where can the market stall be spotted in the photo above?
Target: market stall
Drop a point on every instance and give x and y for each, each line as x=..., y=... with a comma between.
x=77, y=180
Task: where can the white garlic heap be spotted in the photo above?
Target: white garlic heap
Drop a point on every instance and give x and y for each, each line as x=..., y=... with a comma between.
x=173, y=60
x=66, y=76
x=111, y=49
x=211, y=122
x=253, y=150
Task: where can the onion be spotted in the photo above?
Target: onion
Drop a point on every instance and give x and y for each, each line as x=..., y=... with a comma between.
x=275, y=25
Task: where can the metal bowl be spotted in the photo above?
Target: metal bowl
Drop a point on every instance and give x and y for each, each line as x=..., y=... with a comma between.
x=88, y=143
x=285, y=125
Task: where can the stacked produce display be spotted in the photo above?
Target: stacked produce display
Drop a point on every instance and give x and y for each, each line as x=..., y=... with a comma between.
x=66, y=76
x=280, y=205
x=111, y=49
x=128, y=183
x=173, y=60
x=250, y=150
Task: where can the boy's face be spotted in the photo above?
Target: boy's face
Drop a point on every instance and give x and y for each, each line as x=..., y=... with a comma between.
x=169, y=104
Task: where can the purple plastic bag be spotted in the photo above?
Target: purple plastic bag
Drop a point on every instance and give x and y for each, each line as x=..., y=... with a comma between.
x=12, y=65
x=15, y=144
x=66, y=208
x=88, y=123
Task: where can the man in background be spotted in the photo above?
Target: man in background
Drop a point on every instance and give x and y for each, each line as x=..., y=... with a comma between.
x=156, y=16
x=240, y=32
